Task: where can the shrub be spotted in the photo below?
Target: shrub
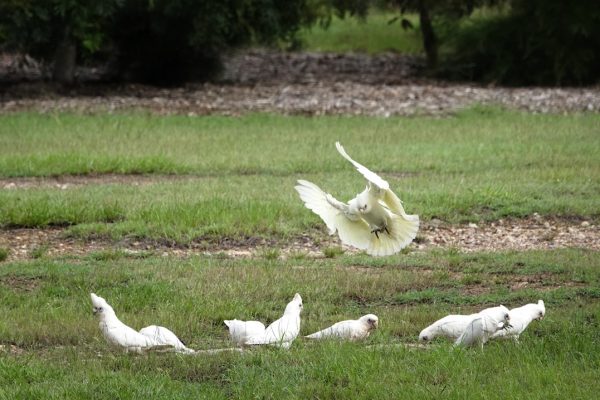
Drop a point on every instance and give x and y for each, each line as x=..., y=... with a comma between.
x=4, y=252
x=537, y=42
x=171, y=41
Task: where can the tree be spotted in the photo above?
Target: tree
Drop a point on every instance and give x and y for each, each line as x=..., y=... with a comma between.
x=535, y=42
x=171, y=41
x=428, y=10
x=56, y=30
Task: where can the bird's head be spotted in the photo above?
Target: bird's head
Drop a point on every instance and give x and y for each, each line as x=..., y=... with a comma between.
x=504, y=317
x=363, y=202
x=426, y=335
x=541, y=310
x=295, y=306
x=100, y=307
x=370, y=320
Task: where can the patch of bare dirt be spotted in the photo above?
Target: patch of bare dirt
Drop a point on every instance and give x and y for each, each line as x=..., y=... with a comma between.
x=68, y=181
x=535, y=232
x=514, y=234
x=300, y=83
x=337, y=98
x=11, y=349
x=20, y=283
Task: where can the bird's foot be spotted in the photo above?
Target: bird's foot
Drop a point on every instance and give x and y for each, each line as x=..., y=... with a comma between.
x=377, y=231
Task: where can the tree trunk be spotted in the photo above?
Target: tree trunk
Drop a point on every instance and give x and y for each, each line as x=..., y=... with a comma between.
x=64, y=60
x=429, y=39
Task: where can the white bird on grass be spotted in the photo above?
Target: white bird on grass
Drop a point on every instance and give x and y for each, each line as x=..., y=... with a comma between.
x=241, y=331
x=349, y=330
x=164, y=337
x=451, y=326
x=374, y=220
x=117, y=333
x=520, y=318
x=283, y=331
x=483, y=326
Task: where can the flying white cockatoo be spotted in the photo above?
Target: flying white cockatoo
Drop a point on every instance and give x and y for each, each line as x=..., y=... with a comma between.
x=520, y=318
x=349, y=330
x=282, y=332
x=241, y=331
x=483, y=326
x=374, y=220
x=117, y=333
x=451, y=326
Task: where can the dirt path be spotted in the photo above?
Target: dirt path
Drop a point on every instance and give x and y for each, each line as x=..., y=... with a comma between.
x=298, y=83
x=514, y=234
x=68, y=181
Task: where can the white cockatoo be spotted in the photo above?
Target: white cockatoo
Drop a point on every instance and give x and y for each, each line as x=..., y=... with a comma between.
x=283, y=331
x=164, y=337
x=374, y=220
x=520, y=318
x=451, y=326
x=121, y=335
x=483, y=326
x=241, y=331
x=349, y=330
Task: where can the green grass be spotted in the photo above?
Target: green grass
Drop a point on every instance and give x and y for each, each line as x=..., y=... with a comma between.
x=47, y=315
x=482, y=164
x=4, y=252
x=373, y=35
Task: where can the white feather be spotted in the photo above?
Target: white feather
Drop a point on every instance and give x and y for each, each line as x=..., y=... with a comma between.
x=374, y=220
x=349, y=330
x=241, y=331
x=483, y=326
x=165, y=337
x=451, y=326
x=283, y=331
x=520, y=318
x=121, y=335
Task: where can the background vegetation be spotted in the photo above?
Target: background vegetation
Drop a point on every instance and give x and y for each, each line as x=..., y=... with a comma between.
x=519, y=42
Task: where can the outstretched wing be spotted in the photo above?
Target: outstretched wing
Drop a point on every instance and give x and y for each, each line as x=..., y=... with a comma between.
x=367, y=173
x=351, y=229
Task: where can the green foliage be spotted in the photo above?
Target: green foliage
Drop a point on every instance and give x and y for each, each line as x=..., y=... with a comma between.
x=4, y=252
x=538, y=42
x=167, y=42
x=38, y=26
x=157, y=41
x=333, y=251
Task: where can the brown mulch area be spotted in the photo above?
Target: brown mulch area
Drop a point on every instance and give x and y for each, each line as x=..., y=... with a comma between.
x=299, y=83
x=512, y=234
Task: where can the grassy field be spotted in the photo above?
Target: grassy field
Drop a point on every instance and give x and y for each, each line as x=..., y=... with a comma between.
x=47, y=313
x=373, y=35
x=482, y=164
x=215, y=177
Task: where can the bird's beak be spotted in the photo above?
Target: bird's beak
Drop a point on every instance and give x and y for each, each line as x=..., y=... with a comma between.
x=375, y=324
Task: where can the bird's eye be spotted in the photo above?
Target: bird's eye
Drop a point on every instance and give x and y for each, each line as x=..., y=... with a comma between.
x=505, y=316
